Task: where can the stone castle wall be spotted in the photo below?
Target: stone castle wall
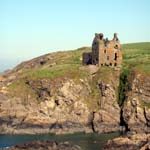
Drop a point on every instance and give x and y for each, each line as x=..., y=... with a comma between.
x=104, y=52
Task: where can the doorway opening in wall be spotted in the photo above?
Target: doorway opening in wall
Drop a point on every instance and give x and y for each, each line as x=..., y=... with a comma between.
x=115, y=56
x=115, y=64
x=110, y=64
x=96, y=60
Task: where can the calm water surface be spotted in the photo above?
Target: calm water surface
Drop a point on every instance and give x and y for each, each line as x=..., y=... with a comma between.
x=86, y=141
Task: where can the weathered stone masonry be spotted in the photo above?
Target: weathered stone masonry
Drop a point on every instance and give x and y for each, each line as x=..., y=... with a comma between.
x=104, y=52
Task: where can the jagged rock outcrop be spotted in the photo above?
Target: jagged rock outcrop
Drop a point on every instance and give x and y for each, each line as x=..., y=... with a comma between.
x=135, y=113
x=107, y=119
x=45, y=145
x=59, y=111
x=131, y=142
x=136, y=108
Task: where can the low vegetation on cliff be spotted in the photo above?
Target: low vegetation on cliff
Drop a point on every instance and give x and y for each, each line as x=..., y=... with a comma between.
x=136, y=56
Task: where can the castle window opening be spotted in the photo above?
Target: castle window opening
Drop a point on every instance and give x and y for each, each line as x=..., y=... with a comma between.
x=107, y=57
x=116, y=46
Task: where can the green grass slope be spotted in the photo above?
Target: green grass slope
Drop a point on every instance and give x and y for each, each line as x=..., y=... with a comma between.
x=137, y=56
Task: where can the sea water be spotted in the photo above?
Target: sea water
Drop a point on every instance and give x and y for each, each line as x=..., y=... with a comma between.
x=85, y=141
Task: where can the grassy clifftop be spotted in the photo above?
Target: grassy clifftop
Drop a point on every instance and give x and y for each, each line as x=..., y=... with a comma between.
x=68, y=63
x=135, y=55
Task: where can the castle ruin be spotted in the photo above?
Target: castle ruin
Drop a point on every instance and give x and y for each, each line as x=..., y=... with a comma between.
x=104, y=52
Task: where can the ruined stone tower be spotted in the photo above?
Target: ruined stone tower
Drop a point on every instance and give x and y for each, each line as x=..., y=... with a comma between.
x=104, y=52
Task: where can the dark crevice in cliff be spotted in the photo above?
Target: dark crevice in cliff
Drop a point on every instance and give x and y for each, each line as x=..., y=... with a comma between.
x=122, y=122
x=123, y=88
x=147, y=120
x=92, y=122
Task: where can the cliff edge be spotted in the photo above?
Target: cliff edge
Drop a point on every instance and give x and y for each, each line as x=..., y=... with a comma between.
x=54, y=93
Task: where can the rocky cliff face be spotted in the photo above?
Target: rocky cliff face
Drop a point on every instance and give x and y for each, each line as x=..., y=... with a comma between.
x=51, y=111
x=48, y=95
x=135, y=115
x=107, y=118
x=136, y=108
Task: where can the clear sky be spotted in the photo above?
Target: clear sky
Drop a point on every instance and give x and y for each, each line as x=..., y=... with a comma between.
x=29, y=28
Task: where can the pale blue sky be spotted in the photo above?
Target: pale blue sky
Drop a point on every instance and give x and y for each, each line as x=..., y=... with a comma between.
x=29, y=28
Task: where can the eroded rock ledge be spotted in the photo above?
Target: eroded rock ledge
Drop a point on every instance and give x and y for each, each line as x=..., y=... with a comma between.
x=130, y=142
x=45, y=145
